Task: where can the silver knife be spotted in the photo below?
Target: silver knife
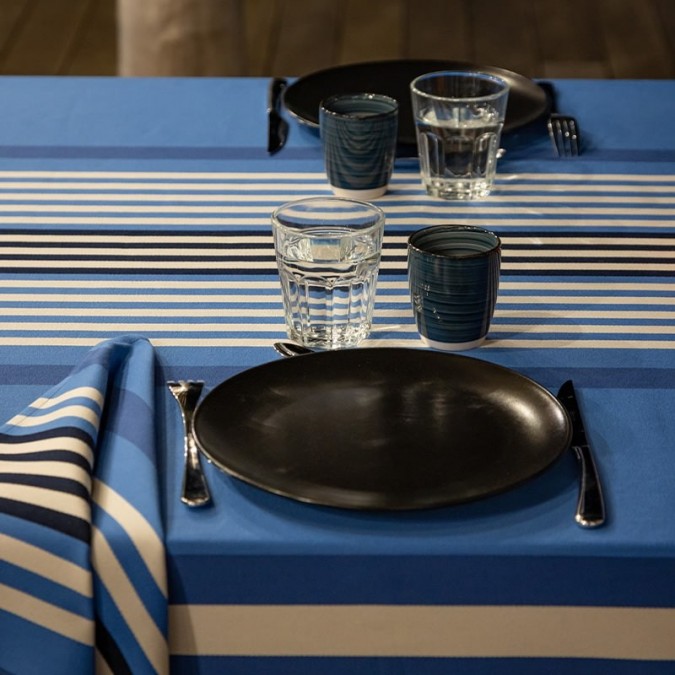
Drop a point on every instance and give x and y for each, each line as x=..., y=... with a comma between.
x=591, y=504
x=277, y=125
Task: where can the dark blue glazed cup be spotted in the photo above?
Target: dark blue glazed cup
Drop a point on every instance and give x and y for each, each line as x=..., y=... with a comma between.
x=453, y=274
x=358, y=133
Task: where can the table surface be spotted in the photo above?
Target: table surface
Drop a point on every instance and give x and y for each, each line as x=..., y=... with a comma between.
x=142, y=206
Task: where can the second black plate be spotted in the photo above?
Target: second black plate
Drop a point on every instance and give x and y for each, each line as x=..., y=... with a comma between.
x=382, y=428
x=527, y=100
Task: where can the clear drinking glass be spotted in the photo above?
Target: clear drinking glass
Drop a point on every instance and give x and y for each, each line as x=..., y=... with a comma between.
x=458, y=120
x=328, y=254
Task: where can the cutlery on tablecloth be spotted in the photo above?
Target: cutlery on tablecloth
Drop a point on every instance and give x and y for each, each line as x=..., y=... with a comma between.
x=563, y=129
x=194, y=491
x=277, y=125
x=591, y=506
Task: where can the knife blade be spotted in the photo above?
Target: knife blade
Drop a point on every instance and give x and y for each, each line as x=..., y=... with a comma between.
x=277, y=125
x=591, y=504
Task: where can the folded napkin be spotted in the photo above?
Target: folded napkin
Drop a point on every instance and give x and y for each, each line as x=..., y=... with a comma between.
x=82, y=565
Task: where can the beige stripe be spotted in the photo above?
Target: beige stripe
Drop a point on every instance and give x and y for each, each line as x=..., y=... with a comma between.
x=422, y=631
x=150, y=547
x=48, y=616
x=46, y=564
x=85, y=392
x=62, y=502
x=101, y=666
x=140, y=623
x=47, y=444
x=33, y=420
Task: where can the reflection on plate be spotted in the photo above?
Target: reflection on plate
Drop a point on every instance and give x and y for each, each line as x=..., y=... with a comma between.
x=527, y=100
x=382, y=428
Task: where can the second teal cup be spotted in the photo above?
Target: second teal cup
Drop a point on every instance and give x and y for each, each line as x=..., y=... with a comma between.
x=359, y=134
x=453, y=274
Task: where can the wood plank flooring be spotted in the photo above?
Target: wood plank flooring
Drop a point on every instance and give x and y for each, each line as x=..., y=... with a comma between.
x=538, y=38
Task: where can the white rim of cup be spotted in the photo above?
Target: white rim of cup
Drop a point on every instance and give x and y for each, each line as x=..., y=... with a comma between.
x=461, y=73
x=461, y=228
x=363, y=96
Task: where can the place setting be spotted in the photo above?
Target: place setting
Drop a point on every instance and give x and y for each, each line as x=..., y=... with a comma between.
x=348, y=425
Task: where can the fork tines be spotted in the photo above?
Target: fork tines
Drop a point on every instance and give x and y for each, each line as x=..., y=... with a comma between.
x=564, y=133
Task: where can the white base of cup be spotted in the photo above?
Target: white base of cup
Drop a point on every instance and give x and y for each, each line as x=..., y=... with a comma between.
x=363, y=195
x=453, y=346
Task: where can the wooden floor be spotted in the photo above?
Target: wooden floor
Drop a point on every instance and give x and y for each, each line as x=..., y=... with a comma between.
x=538, y=38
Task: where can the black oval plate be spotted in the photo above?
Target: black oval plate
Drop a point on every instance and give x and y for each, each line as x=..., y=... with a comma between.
x=527, y=100
x=382, y=428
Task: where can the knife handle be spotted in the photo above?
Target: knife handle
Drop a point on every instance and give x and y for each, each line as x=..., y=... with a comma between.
x=276, y=89
x=591, y=504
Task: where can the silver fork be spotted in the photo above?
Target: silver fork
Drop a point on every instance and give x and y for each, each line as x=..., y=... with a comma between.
x=194, y=491
x=562, y=129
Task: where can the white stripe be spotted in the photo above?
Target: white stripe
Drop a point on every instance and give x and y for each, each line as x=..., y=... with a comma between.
x=34, y=419
x=266, y=328
x=140, y=623
x=30, y=239
x=373, y=341
x=46, y=564
x=408, y=221
x=60, y=621
x=136, y=298
x=554, y=178
x=100, y=254
x=423, y=631
x=191, y=192
x=487, y=208
x=133, y=522
x=403, y=312
x=240, y=285
x=613, y=329
x=270, y=267
x=55, y=500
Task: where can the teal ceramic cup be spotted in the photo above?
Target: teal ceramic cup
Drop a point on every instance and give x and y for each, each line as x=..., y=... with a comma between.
x=453, y=275
x=359, y=134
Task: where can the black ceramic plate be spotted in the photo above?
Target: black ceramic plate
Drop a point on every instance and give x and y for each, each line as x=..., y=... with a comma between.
x=527, y=100
x=381, y=428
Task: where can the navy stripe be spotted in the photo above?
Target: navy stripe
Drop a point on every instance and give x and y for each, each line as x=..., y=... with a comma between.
x=177, y=271
x=61, y=522
x=109, y=650
x=369, y=665
x=49, y=456
x=585, y=581
x=58, y=484
x=60, y=432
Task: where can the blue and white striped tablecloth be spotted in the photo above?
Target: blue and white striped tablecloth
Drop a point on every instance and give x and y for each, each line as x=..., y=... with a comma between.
x=131, y=207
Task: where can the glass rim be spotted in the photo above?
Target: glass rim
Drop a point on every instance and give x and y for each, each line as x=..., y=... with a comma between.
x=366, y=208
x=371, y=96
x=412, y=246
x=505, y=87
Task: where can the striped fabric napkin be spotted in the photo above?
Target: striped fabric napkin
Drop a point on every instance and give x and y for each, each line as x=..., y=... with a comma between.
x=82, y=565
